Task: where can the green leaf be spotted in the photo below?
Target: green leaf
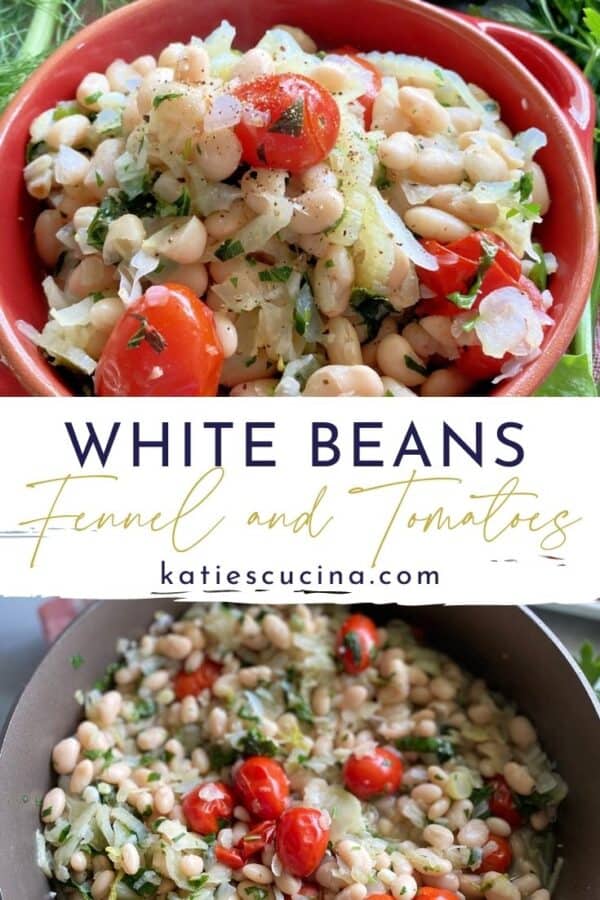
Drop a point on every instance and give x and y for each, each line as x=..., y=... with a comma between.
x=221, y=755
x=229, y=249
x=572, y=377
x=414, y=366
x=524, y=186
x=590, y=665
x=538, y=272
x=77, y=661
x=591, y=17
x=372, y=308
x=512, y=15
x=441, y=746
x=291, y=120
x=277, y=274
x=254, y=743
x=162, y=97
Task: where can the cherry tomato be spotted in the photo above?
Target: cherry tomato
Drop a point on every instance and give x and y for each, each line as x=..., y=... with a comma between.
x=454, y=273
x=189, y=684
x=229, y=857
x=433, y=893
x=497, y=855
x=379, y=772
x=477, y=366
x=164, y=345
x=380, y=897
x=262, y=786
x=289, y=122
x=502, y=802
x=357, y=643
x=302, y=838
x=367, y=99
x=255, y=840
x=207, y=806
x=471, y=247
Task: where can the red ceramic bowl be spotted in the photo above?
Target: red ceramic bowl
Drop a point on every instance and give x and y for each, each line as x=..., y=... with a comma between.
x=535, y=84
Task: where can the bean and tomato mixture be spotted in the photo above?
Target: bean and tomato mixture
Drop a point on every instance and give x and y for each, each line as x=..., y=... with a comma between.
x=285, y=222
x=267, y=753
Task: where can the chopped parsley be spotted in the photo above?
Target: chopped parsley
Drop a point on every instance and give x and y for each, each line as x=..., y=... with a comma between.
x=92, y=98
x=64, y=834
x=144, y=883
x=229, y=249
x=67, y=109
x=77, y=661
x=479, y=798
x=35, y=149
x=160, y=98
x=538, y=272
x=525, y=210
x=255, y=743
x=199, y=881
x=291, y=120
x=99, y=178
x=180, y=207
x=466, y=301
x=106, y=681
x=441, y=746
x=523, y=187
x=413, y=365
x=146, y=332
x=143, y=709
x=153, y=776
x=277, y=274
x=372, y=308
x=220, y=756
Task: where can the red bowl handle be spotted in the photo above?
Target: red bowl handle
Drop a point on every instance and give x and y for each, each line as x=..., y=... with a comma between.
x=565, y=83
x=9, y=386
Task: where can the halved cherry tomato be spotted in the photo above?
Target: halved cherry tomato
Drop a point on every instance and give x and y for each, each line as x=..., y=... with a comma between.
x=454, y=273
x=229, y=857
x=208, y=806
x=433, y=893
x=357, y=642
x=302, y=838
x=380, y=897
x=458, y=263
x=497, y=855
x=164, y=345
x=367, y=99
x=289, y=122
x=378, y=772
x=436, y=306
x=255, y=840
x=262, y=786
x=502, y=802
x=477, y=366
x=189, y=684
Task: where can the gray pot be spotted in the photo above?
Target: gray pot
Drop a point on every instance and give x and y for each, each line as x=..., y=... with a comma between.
x=508, y=646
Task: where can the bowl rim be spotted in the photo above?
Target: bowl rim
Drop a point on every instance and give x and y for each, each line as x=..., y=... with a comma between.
x=38, y=380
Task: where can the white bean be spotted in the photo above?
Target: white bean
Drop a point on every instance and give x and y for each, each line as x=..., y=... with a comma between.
x=437, y=166
x=343, y=345
x=82, y=776
x=92, y=84
x=164, y=800
x=344, y=381
x=174, y=646
x=519, y=779
x=152, y=738
x=396, y=358
x=186, y=243
x=193, y=66
x=193, y=276
x=436, y=224
x=109, y=707
x=53, y=805
x=48, y=247
x=105, y=313
x=484, y=164
x=102, y=884
x=474, y=834
x=445, y=383
x=217, y=722
x=463, y=119
x=257, y=873
x=191, y=866
x=144, y=64
x=438, y=836
x=423, y=112
x=332, y=281
x=253, y=64
x=220, y=154
x=65, y=755
x=316, y=210
x=38, y=176
x=124, y=237
x=277, y=631
x=260, y=387
x=227, y=334
x=398, y=152
x=404, y=887
x=71, y=131
x=521, y=732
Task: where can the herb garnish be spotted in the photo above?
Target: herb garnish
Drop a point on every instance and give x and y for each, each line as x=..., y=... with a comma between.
x=229, y=249
x=291, y=120
x=162, y=97
x=77, y=661
x=372, y=308
x=277, y=274
x=441, y=746
x=146, y=332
